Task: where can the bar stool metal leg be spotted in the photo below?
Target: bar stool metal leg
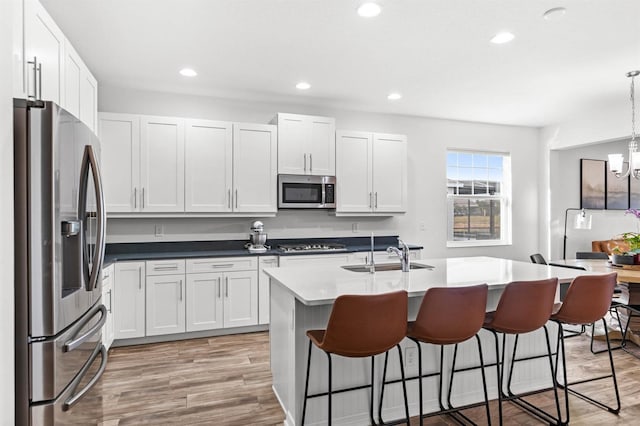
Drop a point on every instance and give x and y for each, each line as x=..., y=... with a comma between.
x=567, y=386
x=306, y=385
x=404, y=386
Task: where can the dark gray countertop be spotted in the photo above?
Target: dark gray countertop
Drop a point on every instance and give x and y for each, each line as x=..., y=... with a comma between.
x=190, y=249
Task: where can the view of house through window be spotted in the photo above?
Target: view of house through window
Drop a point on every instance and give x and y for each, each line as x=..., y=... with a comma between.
x=478, y=195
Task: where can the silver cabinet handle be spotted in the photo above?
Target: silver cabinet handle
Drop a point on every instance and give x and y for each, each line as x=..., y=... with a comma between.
x=143, y=197
x=305, y=162
x=376, y=200
x=181, y=290
x=370, y=199
x=135, y=198
x=223, y=265
x=140, y=278
x=40, y=81
x=226, y=287
x=236, y=198
x=110, y=303
x=219, y=285
x=229, y=198
x=35, y=79
x=311, y=164
x=166, y=267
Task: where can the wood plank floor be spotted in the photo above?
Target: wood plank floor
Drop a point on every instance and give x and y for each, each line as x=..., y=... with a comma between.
x=226, y=381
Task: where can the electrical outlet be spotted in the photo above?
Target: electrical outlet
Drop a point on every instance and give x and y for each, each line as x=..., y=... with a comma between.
x=410, y=356
x=159, y=230
x=355, y=226
x=422, y=226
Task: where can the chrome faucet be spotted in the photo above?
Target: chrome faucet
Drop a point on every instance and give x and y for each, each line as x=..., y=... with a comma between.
x=402, y=254
x=371, y=263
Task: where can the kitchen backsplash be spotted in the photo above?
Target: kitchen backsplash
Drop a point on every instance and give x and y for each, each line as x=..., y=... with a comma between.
x=287, y=224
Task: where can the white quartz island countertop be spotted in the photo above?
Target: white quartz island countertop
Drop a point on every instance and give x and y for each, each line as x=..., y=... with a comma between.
x=319, y=285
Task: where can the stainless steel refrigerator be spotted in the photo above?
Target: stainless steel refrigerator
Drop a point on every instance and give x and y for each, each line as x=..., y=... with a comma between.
x=59, y=250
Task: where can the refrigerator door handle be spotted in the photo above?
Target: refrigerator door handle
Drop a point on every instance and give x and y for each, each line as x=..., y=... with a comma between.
x=100, y=350
x=76, y=342
x=89, y=161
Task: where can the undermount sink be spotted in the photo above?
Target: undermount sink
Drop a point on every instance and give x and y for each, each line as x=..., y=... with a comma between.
x=385, y=267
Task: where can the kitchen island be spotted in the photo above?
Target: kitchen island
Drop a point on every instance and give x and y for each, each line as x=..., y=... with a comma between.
x=302, y=297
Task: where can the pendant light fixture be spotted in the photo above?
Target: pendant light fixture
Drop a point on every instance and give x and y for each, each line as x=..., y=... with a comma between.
x=616, y=161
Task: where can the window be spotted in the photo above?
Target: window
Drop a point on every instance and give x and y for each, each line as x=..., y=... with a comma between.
x=478, y=198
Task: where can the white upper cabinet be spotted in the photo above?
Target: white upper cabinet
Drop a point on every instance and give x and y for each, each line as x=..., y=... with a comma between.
x=390, y=173
x=306, y=144
x=208, y=166
x=47, y=67
x=371, y=175
x=120, y=148
x=162, y=164
x=80, y=88
x=44, y=54
x=255, y=168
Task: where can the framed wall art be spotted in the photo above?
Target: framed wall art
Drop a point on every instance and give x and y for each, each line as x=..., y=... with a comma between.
x=617, y=190
x=592, y=184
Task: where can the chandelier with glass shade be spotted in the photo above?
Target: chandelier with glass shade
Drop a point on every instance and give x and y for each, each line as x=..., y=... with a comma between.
x=616, y=161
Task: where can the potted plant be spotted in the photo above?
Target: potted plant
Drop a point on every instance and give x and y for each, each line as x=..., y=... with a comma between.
x=631, y=256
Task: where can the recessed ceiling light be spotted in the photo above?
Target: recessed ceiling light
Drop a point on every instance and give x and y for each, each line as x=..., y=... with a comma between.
x=369, y=10
x=303, y=85
x=188, y=72
x=394, y=96
x=555, y=13
x=503, y=37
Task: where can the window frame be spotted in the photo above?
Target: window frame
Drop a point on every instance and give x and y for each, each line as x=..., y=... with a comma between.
x=505, y=198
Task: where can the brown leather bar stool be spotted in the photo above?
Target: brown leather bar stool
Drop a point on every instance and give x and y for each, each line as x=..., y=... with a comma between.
x=450, y=316
x=524, y=306
x=586, y=302
x=361, y=326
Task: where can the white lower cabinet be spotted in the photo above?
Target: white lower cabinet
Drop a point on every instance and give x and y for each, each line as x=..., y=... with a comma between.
x=240, y=298
x=225, y=298
x=263, y=287
x=129, y=300
x=107, y=301
x=204, y=301
x=165, y=304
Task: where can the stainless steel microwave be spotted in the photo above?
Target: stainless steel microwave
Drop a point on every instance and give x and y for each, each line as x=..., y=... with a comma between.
x=306, y=192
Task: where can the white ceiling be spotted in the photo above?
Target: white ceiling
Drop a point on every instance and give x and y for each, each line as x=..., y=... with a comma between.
x=435, y=52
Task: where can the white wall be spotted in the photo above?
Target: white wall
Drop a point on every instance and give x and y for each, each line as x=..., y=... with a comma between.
x=565, y=193
x=428, y=140
x=6, y=218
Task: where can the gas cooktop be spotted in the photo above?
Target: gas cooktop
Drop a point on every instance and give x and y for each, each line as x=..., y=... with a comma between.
x=315, y=247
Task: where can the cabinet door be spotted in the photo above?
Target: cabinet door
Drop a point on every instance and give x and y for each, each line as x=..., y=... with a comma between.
x=292, y=144
x=390, y=173
x=240, y=298
x=107, y=301
x=208, y=161
x=162, y=164
x=354, y=185
x=72, y=76
x=88, y=99
x=254, y=168
x=263, y=287
x=204, y=301
x=129, y=300
x=165, y=304
x=44, y=41
x=18, y=64
x=322, y=146
x=120, y=149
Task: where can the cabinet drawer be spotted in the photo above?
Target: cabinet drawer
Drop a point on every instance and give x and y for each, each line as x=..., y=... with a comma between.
x=165, y=267
x=222, y=264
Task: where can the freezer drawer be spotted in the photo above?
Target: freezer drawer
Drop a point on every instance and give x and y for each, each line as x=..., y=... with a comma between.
x=56, y=362
x=67, y=408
